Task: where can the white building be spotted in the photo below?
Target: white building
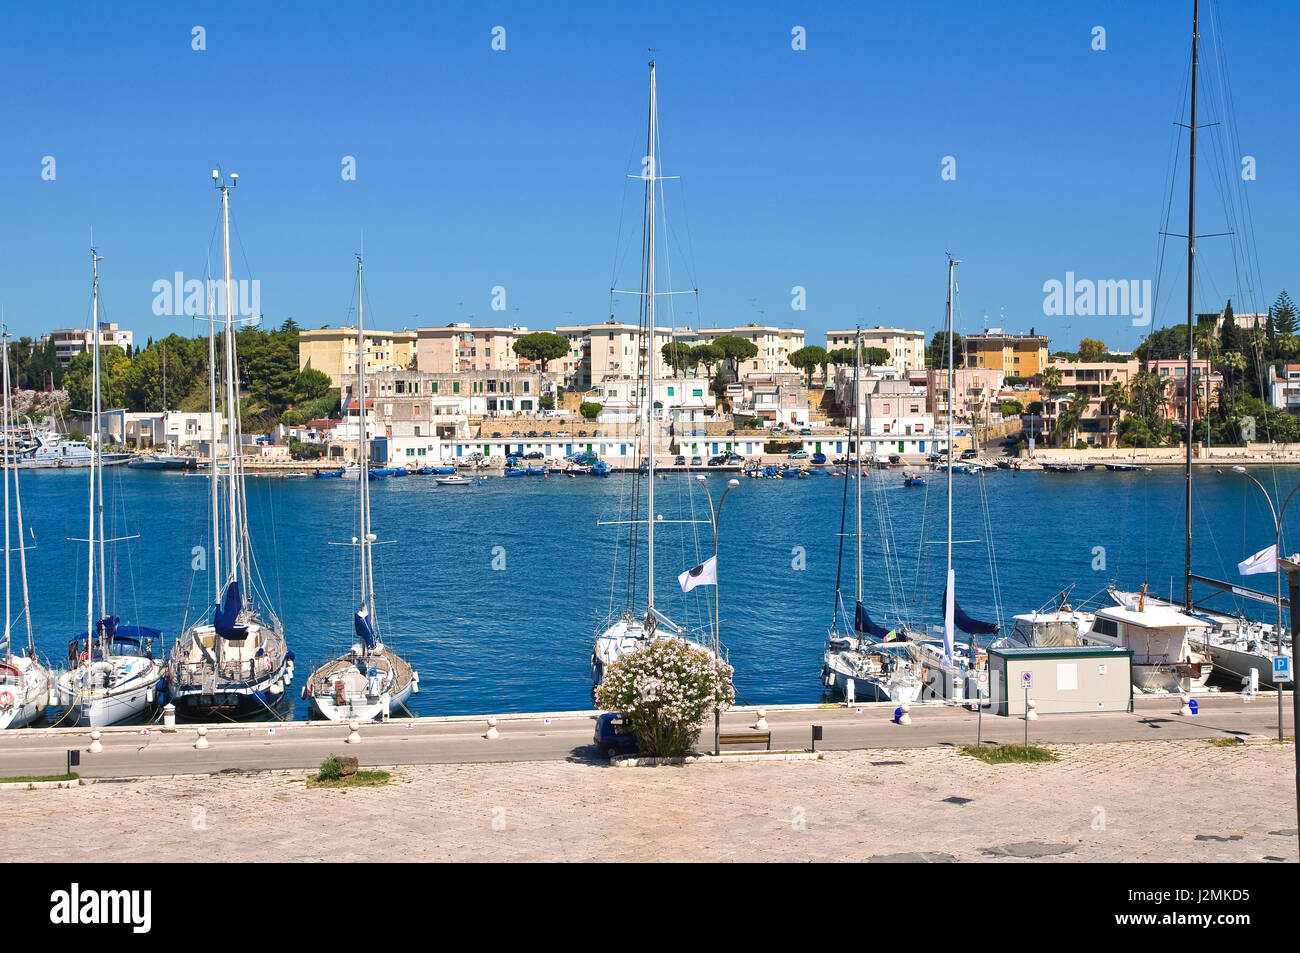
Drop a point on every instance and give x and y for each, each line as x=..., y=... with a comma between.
x=683, y=401
x=906, y=348
x=69, y=342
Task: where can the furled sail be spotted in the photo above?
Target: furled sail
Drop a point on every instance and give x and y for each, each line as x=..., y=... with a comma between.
x=967, y=624
x=365, y=629
x=226, y=619
x=862, y=623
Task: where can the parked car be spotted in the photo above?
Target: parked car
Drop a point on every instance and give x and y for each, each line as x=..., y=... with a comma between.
x=514, y=433
x=595, y=433
x=731, y=433
x=799, y=455
x=934, y=457
x=699, y=432
x=546, y=433
x=679, y=461
x=733, y=457
x=819, y=458
x=805, y=431
x=969, y=454
x=717, y=461
x=532, y=433
x=561, y=433
x=496, y=433
x=614, y=735
x=535, y=455
x=697, y=461
x=582, y=433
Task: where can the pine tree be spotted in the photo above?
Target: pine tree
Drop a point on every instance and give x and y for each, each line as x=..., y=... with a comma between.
x=1284, y=314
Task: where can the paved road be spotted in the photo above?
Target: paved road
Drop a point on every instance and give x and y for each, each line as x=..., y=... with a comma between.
x=137, y=752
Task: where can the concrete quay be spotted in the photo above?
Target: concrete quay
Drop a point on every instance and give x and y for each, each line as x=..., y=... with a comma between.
x=138, y=751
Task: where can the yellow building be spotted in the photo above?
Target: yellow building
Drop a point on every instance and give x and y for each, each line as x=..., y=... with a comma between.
x=333, y=351
x=1016, y=355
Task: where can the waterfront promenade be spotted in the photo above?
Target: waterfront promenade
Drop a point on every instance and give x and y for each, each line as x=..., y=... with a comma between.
x=1141, y=786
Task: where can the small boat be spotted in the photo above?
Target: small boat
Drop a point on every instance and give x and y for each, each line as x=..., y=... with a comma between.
x=441, y=471
x=514, y=472
x=454, y=479
x=913, y=480
x=328, y=474
x=1127, y=467
x=378, y=472
x=400, y=471
x=425, y=471
x=1062, y=467
x=600, y=469
x=536, y=471
x=368, y=681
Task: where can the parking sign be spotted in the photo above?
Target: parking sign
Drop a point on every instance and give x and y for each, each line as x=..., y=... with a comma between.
x=1282, y=668
x=1027, y=680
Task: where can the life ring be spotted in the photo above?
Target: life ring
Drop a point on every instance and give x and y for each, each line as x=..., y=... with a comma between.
x=6, y=699
x=85, y=656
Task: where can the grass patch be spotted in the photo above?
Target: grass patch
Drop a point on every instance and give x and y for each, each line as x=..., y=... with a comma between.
x=1008, y=754
x=362, y=779
x=1230, y=742
x=29, y=778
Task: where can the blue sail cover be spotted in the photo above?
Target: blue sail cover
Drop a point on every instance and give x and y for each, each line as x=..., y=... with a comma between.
x=365, y=629
x=862, y=623
x=967, y=624
x=225, y=619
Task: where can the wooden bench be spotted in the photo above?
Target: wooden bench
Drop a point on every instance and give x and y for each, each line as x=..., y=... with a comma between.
x=749, y=737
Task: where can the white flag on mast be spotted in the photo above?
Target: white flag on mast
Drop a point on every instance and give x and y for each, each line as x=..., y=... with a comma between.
x=705, y=574
x=1263, y=561
x=949, y=606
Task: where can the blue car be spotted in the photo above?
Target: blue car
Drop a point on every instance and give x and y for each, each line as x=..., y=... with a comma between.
x=614, y=735
x=819, y=458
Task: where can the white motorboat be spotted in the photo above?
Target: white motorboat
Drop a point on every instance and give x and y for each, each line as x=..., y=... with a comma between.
x=1159, y=636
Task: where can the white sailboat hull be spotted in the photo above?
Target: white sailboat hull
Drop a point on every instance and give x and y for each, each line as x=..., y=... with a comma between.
x=23, y=699
x=91, y=702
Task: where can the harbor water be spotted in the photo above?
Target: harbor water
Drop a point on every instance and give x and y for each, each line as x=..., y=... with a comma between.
x=494, y=591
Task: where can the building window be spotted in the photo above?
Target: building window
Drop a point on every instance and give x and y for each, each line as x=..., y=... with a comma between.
x=455, y=387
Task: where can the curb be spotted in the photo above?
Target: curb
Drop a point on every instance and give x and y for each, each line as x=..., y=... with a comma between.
x=634, y=761
x=37, y=785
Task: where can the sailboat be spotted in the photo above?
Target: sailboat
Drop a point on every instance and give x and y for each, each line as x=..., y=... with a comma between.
x=367, y=681
x=24, y=682
x=113, y=674
x=952, y=672
x=1233, y=642
x=238, y=663
x=865, y=661
x=629, y=633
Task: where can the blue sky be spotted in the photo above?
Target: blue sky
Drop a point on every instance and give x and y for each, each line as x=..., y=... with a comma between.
x=476, y=168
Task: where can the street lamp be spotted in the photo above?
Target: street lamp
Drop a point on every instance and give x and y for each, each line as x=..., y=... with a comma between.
x=1277, y=555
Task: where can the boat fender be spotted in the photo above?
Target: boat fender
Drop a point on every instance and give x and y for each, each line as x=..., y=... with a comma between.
x=6, y=699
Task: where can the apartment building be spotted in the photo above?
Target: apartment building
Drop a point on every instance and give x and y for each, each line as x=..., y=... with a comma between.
x=906, y=348
x=1016, y=355
x=333, y=351
x=69, y=342
x=612, y=349
x=460, y=347
x=775, y=345
x=975, y=394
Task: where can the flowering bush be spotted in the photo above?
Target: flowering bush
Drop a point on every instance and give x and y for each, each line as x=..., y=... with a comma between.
x=666, y=689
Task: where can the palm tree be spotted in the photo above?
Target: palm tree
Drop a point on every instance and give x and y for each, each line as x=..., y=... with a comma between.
x=1116, y=402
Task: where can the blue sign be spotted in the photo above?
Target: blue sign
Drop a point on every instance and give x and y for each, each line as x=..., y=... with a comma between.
x=1191, y=705
x=1282, y=668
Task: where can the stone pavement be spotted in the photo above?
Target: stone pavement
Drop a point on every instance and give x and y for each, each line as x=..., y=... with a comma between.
x=1177, y=800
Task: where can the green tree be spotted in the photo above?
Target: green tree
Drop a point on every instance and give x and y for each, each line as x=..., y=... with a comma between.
x=311, y=384
x=707, y=354
x=677, y=355
x=1284, y=314
x=734, y=350
x=1051, y=379
x=1011, y=408
x=590, y=409
x=542, y=347
x=271, y=374
x=1091, y=350
x=876, y=357
x=937, y=355
x=808, y=359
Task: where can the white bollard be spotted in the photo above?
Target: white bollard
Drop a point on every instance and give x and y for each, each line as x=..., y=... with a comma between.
x=1033, y=710
x=492, y=729
x=761, y=725
x=905, y=718
x=1187, y=708
x=169, y=715
x=95, y=746
x=355, y=735
x=203, y=737
x=850, y=692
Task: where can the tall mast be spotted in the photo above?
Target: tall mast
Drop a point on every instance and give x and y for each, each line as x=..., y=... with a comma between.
x=8, y=643
x=22, y=546
x=232, y=495
x=857, y=452
x=363, y=454
x=950, y=588
x=94, y=401
x=1191, y=265
x=650, y=351
x=212, y=445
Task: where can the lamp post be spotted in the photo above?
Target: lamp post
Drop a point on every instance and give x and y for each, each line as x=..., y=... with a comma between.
x=1277, y=555
x=715, y=518
x=1292, y=571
